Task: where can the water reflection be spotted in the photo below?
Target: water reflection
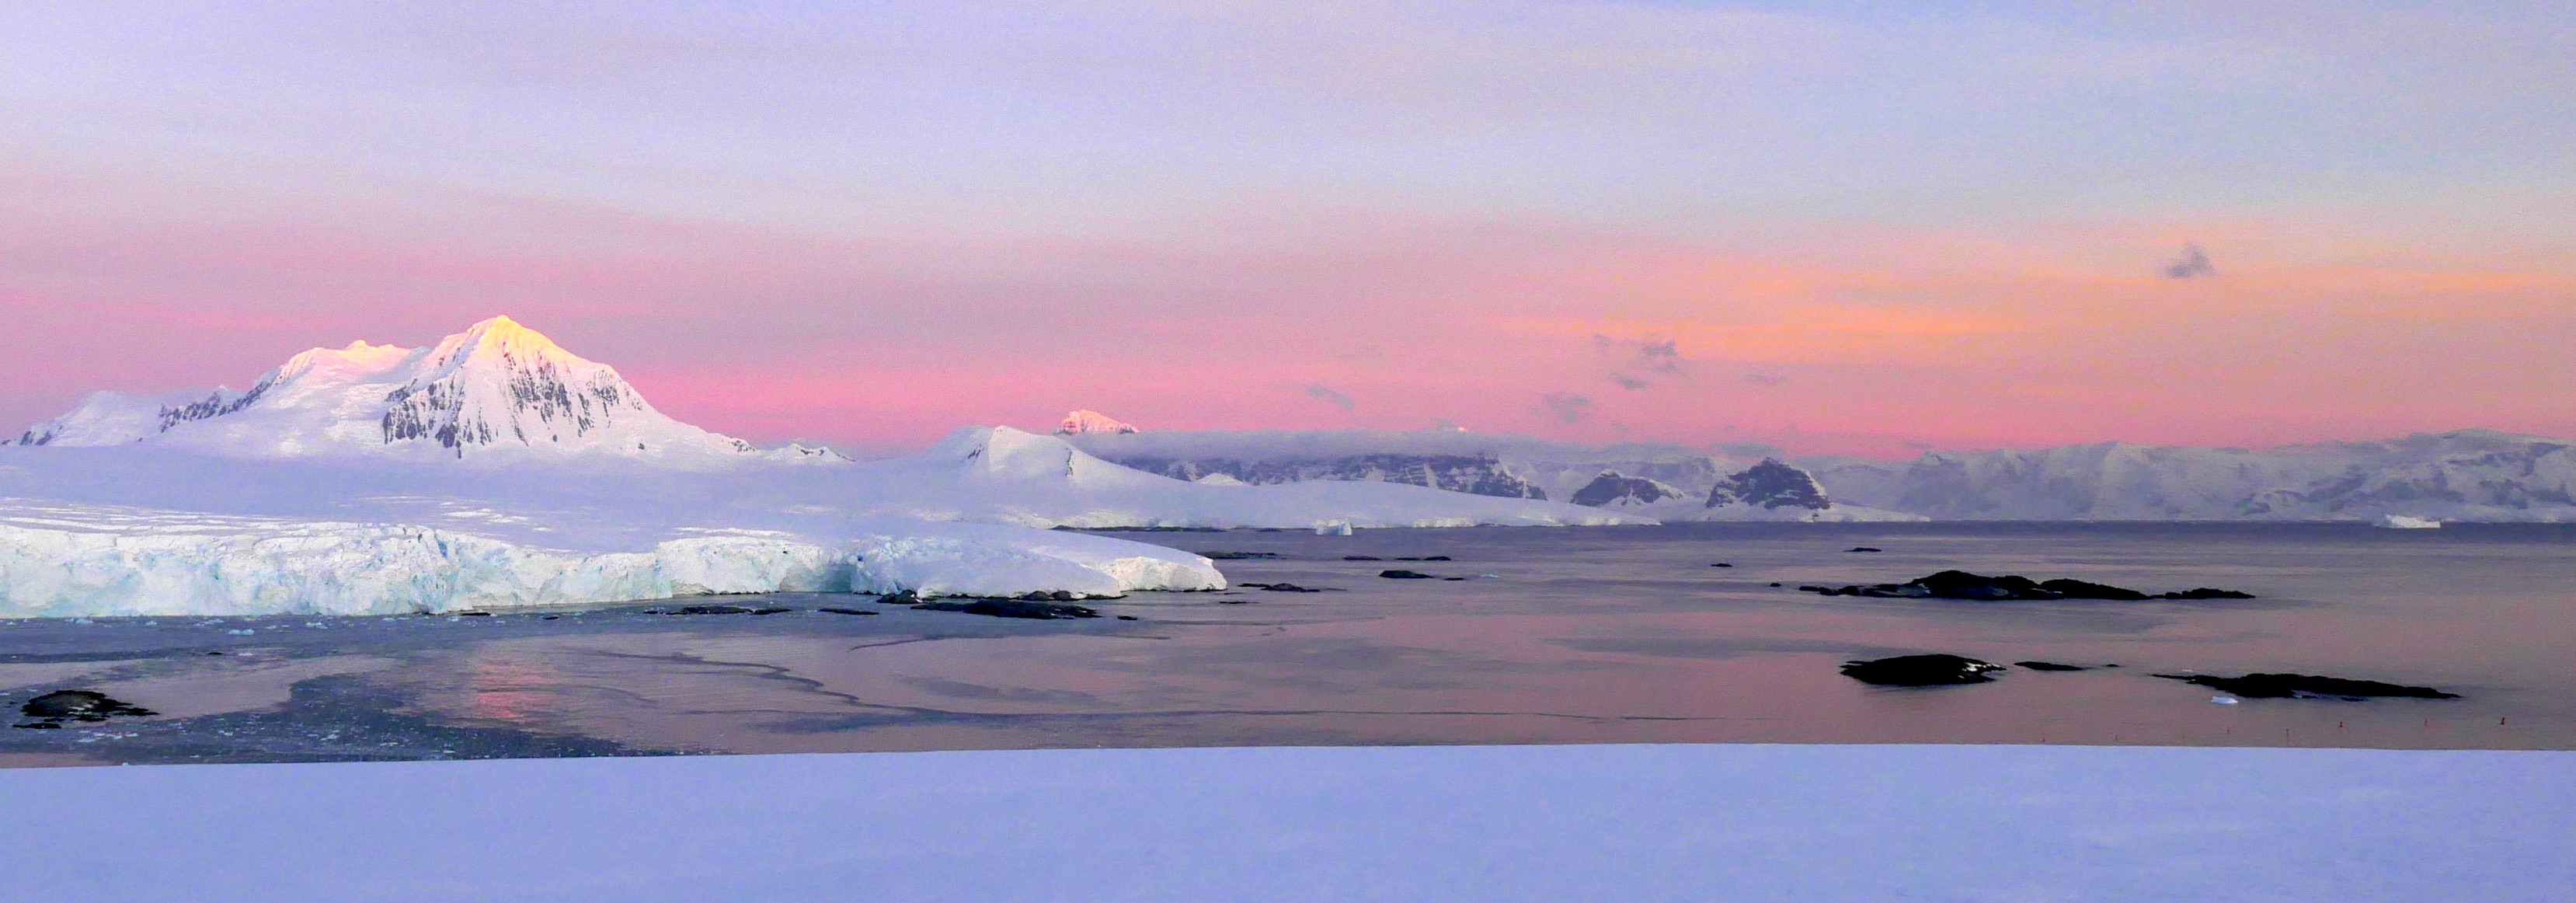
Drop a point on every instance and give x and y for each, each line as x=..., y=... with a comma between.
x=1600, y=635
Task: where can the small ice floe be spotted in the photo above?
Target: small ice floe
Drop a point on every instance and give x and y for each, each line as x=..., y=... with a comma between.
x=245, y=631
x=1333, y=528
x=2404, y=522
x=2222, y=700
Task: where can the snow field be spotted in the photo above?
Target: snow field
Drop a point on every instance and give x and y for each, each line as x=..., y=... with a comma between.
x=1483, y=824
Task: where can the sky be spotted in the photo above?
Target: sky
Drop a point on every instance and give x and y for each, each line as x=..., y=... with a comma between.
x=1850, y=228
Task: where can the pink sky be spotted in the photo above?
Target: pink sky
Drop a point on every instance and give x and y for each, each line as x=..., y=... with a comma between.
x=1591, y=221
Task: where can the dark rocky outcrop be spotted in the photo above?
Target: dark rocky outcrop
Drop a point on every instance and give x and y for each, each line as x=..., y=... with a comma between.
x=2049, y=666
x=1769, y=484
x=1929, y=670
x=2010, y=587
x=1407, y=575
x=2306, y=686
x=1614, y=488
x=1012, y=608
x=715, y=610
x=1361, y=558
x=52, y=709
x=2205, y=593
x=1241, y=556
x=844, y=611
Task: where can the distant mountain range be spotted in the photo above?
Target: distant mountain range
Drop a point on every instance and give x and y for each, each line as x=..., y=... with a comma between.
x=499, y=393
x=2468, y=475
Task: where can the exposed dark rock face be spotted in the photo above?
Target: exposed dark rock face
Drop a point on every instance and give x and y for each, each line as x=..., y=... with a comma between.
x=1013, y=608
x=52, y=709
x=1423, y=558
x=1476, y=474
x=2049, y=666
x=1864, y=549
x=1361, y=558
x=1613, y=488
x=844, y=611
x=2205, y=593
x=2010, y=587
x=1930, y=670
x=1407, y=575
x=1769, y=484
x=2306, y=686
x=900, y=597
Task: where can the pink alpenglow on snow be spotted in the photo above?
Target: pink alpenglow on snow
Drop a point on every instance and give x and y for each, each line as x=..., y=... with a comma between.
x=1085, y=422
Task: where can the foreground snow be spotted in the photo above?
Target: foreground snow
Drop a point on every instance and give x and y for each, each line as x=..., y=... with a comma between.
x=1802, y=823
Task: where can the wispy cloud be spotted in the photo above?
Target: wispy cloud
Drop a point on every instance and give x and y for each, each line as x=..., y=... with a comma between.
x=1637, y=363
x=1338, y=399
x=2193, y=265
x=1566, y=407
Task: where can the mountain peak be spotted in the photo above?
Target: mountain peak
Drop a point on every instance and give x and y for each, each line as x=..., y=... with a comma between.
x=502, y=336
x=1085, y=422
x=496, y=387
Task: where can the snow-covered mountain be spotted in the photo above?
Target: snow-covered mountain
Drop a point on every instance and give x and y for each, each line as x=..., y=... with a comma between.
x=1662, y=481
x=498, y=389
x=333, y=485
x=1079, y=422
x=1494, y=464
x=2469, y=475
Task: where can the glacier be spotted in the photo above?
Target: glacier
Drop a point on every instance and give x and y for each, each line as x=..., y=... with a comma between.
x=496, y=469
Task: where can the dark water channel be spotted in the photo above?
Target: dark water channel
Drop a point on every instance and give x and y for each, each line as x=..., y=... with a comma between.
x=1591, y=635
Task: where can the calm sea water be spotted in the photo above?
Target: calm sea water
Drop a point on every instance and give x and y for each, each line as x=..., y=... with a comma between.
x=1592, y=635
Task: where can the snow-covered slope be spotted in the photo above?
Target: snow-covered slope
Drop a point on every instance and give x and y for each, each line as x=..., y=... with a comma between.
x=497, y=390
x=2469, y=475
